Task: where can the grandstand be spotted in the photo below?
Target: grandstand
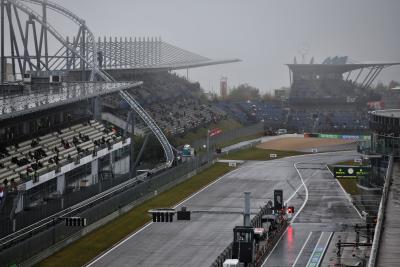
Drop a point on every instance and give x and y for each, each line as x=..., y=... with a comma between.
x=66, y=135
x=331, y=97
x=177, y=105
x=53, y=141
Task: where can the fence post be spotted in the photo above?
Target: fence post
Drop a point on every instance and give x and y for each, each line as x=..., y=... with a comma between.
x=14, y=225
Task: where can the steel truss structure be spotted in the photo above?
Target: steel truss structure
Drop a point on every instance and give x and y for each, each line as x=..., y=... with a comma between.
x=140, y=53
x=350, y=71
x=33, y=55
x=28, y=47
x=29, y=40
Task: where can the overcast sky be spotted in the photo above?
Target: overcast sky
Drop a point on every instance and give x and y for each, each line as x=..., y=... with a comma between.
x=264, y=34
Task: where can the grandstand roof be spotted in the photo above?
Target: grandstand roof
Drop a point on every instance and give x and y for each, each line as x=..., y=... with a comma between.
x=150, y=54
x=337, y=68
x=391, y=113
x=31, y=100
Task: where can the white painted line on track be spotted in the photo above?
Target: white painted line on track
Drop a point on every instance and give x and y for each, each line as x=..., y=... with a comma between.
x=188, y=198
x=300, y=186
x=305, y=187
x=344, y=191
x=325, y=248
x=279, y=240
x=90, y=263
x=301, y=250
x=318, y=246
x=315, y=248
x=304, y=203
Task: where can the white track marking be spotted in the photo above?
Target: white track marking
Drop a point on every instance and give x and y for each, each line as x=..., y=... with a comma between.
x=300, y=186
x=301, y=250
x=325, y=248
x=328, y=241
x=279, y=240
x=304, y=203
x=305, y=187
x=346, y=194
x=150, y=223
x=316, y=246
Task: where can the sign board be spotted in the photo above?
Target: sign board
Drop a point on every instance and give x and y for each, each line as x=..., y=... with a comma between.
x=258, y=231
x=214, y=132
x=273, y=156
x=232, y=164
x=350, y=171
x=346, y=136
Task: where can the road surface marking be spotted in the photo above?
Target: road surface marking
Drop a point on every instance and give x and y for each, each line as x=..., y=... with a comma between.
x=319, y=251
x=305, y=187
x=90, y=263
x=346, y=194
x=315, y=248
x=301, y=250
x=279, y=240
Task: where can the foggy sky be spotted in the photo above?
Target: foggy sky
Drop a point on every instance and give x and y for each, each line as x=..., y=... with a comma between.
x=264, y=34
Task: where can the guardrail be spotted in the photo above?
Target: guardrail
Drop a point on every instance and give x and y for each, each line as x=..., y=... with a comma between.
x=46, y=222
x=381, y=215
x=47, y=234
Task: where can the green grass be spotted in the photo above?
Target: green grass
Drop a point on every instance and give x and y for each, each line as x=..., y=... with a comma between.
x=91, y=245
x=255, y=153
x=225, y=126
x=349, y=185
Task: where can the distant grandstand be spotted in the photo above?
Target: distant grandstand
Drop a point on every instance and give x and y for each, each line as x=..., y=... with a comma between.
x=333, y=95
x=70, y=115
x=334, y=81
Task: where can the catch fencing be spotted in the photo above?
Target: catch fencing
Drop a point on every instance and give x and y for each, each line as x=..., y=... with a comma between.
x=56, y=231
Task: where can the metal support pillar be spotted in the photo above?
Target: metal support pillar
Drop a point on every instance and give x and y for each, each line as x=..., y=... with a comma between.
x=97, y=108
x=94, y=175
x=61, y=184
x=44, y=29
x=132, y=154
x=246, y=212
x=83, y=53
x=2, y=58
x=139, y=156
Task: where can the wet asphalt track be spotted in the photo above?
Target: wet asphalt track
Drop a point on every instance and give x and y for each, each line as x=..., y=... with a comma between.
x=199, y=241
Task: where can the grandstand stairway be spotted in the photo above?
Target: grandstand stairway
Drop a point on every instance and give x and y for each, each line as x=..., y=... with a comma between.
x=169, y=154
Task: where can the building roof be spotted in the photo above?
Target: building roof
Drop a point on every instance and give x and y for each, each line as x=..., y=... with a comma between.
x=151, y=54
x=391, y=113
x=336, y=68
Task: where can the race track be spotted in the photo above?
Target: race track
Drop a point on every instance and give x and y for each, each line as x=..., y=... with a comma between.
x=199, y=241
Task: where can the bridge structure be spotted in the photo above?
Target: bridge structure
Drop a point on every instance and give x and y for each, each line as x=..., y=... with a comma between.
x=37, y=47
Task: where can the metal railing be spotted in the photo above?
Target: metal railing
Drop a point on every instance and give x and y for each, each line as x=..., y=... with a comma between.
x=381, y=216
x=169, y=154
x=48, y=232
